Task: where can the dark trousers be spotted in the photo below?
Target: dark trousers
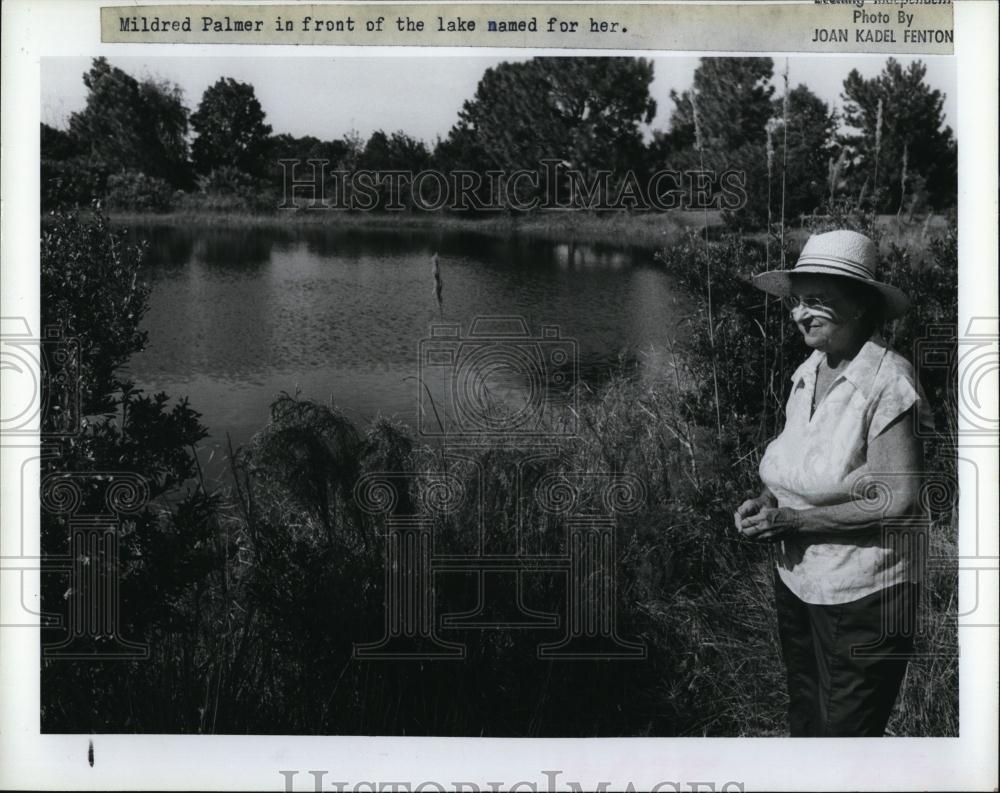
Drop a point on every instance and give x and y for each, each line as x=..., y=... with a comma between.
x=845, y=663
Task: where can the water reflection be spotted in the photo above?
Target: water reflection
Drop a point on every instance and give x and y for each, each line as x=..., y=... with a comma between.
x=239, y=248
x=239, y=315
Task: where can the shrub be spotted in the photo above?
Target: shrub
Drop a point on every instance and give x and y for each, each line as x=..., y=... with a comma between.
x=134, y=191
x=167, y=548
x=228, y=189
x=70, y=183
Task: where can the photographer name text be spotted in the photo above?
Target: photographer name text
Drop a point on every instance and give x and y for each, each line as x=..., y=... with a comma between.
x=880, y=23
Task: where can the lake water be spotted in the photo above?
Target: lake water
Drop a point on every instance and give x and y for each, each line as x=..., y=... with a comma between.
x=239, y=315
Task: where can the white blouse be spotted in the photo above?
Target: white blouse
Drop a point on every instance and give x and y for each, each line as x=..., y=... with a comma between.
x=810, y=465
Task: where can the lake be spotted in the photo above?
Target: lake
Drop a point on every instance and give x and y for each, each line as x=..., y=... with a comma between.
x=238, y=315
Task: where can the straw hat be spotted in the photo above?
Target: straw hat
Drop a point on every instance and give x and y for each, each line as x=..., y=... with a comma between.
x=845, y=254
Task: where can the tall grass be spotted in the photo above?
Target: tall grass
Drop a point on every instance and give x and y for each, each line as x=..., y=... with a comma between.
x=700, y=145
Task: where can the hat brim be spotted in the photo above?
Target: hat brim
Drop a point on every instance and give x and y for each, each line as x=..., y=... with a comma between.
x=779, y=283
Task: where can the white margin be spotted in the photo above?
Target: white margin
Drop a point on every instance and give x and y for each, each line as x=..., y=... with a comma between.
x=32, y=29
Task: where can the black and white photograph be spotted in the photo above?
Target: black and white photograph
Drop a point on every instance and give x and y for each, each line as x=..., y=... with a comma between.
x=499, y=394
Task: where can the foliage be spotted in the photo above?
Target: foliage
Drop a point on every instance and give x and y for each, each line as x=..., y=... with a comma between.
x=912, y=121
x=71, y=183
x=91, y=288
x=582, y=112
x=784, y=183
x=57, y=144
x=135, y=191
x=230, y=129
x=801, y=171
x=733, y=97
x=745, y=129
x=228, y=189
x=395, y=152
x=585, y=114
x=289, y=147
x=132, y=125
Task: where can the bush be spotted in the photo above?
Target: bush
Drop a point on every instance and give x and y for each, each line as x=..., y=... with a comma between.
x=228, y=189
x=167, y=548
x=134, y=191
x=71, y=183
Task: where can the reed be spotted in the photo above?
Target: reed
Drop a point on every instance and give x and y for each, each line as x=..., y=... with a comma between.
x=700, y=144
x=878, y=148
x=902, y=179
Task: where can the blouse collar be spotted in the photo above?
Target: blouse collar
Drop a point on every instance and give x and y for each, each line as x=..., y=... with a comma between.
x=860, y=372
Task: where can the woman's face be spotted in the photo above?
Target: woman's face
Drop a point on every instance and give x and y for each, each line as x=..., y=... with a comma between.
x=828, y=314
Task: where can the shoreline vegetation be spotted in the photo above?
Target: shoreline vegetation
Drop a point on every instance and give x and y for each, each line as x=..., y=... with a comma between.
x=647, y=230
x=650, y=230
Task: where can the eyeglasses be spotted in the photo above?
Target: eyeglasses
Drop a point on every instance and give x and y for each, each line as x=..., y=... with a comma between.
x=792, y=302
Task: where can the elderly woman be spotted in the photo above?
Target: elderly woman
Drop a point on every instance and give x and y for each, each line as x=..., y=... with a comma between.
x=840, y=483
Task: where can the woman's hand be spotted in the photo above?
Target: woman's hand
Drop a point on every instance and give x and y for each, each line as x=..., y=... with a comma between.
x=752, y=506
x=771, y=523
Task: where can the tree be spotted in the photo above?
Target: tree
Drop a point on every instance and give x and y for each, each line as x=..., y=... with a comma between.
x=733, y=96
x=799, y=176
x=583, y=112
x=288, y=147
x=395, y=152
x=57, y=144
x=132, y=125
x=230, y=128
x=743, y=127
x=912, y=123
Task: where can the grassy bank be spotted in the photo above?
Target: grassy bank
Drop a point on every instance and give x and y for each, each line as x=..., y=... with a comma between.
x=647, y=230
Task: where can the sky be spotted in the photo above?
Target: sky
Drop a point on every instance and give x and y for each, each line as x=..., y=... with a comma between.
x=329, y=97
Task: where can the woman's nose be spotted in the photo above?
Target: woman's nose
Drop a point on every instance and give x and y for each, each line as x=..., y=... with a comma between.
x=800, y=312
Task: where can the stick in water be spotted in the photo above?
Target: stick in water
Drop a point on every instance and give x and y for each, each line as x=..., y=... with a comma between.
x=436, y=271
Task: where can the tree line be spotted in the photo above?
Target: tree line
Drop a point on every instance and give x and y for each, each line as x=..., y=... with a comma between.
x=136, y=145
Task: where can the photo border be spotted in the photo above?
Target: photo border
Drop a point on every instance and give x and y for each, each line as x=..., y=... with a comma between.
x=225, y=762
